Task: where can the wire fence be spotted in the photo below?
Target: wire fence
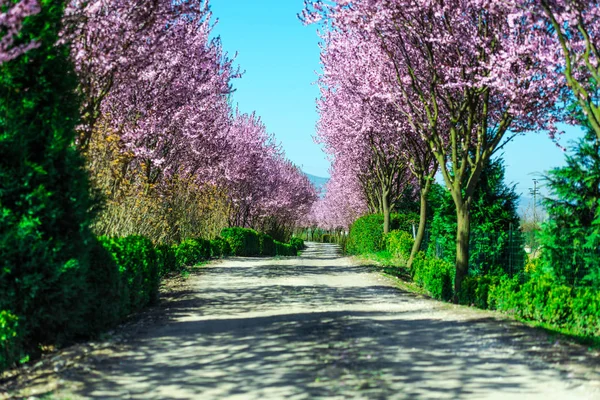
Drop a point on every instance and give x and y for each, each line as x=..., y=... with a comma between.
x=488, y=252
x=573, y=256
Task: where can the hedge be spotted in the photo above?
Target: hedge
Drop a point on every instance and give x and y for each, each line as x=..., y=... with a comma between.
x=283, y=249
x=193, y=251
x=219, y=247
x=297, y=243
x=167, y=259
x=434, y=275
x=266, y=245
x=137, y=262
x=250, y=243
x=399, y=243
x=11, y=347
x=542, y=299
x=123, y=277
x=366, y=233
x=242, y=241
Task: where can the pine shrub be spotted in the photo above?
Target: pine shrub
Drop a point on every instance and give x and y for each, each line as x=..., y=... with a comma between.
x=44, y=192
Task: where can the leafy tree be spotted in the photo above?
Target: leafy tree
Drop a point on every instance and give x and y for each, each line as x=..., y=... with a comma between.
x=496, y=242
x=571, y=237
x=44, y=196
x=466, y=76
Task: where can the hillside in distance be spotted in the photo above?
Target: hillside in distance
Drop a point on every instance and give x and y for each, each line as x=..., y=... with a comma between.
x=318, y=182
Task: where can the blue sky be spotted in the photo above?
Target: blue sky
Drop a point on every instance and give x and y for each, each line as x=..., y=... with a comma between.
x=280, y=56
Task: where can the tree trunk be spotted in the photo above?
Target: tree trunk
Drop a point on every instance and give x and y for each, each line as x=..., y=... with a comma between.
x=386, y=212
x=463, y=233
x=422, y=222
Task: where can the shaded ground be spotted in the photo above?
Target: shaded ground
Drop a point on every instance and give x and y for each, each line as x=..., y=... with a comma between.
x=314, y=327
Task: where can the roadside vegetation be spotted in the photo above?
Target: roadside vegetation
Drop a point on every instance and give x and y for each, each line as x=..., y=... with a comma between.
x=412, y=91
x=122, y=161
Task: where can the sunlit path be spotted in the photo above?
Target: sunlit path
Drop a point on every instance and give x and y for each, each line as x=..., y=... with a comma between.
x=319, y=327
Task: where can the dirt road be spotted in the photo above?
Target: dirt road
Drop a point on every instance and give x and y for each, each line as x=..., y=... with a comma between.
x=320, y=327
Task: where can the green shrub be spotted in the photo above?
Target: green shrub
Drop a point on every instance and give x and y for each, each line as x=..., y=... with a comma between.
x=192, y=251
x=44, y=191
x=297, y=243
x=136, y=259
x=10, y=339
x=243, y=241
x=106, y=289
x=266, y=244
x=475, y=290
x=434, y=275
x=283, y=249
x=366, y=235
x=543, y=299
x=219, y=247
x=505, y=295
x=585, y=316
x=399, y=244
x=167, y=259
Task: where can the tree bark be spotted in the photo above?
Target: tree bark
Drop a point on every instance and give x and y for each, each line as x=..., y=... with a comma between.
x=422, y=221
x=463, y=234
x=386, y=212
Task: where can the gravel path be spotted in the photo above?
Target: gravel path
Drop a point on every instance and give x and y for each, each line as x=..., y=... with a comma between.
x=320, y=327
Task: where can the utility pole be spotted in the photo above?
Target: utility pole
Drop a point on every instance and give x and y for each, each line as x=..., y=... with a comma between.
x=534, y=191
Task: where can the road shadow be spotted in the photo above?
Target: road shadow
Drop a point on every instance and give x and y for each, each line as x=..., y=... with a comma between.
x=248, y=337
x=315, y=355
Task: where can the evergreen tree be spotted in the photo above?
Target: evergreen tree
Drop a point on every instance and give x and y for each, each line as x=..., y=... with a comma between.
x=571, y=237
x=44, y=194
x=496, y=242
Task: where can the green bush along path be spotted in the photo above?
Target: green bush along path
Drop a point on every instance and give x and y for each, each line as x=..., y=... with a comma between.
x=320, y=326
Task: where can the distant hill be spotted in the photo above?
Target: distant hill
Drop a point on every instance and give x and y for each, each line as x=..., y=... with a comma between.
x=317, y=181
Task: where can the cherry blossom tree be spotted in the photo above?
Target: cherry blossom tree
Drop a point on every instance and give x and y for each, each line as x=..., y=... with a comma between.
x=471, y=76
x=344, y=200
x=573, y=45
x=360, y=124
x=11, y=20
x=153, y=75
x=173, y=113
x=113, y=39
x=266, y=191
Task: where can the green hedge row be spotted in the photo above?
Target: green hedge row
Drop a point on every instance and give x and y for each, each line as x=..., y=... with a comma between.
x=399, y=244
x=540, y=298
x=124, y=276
x=434, y=275
x=250, y=243
x=366, y=233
